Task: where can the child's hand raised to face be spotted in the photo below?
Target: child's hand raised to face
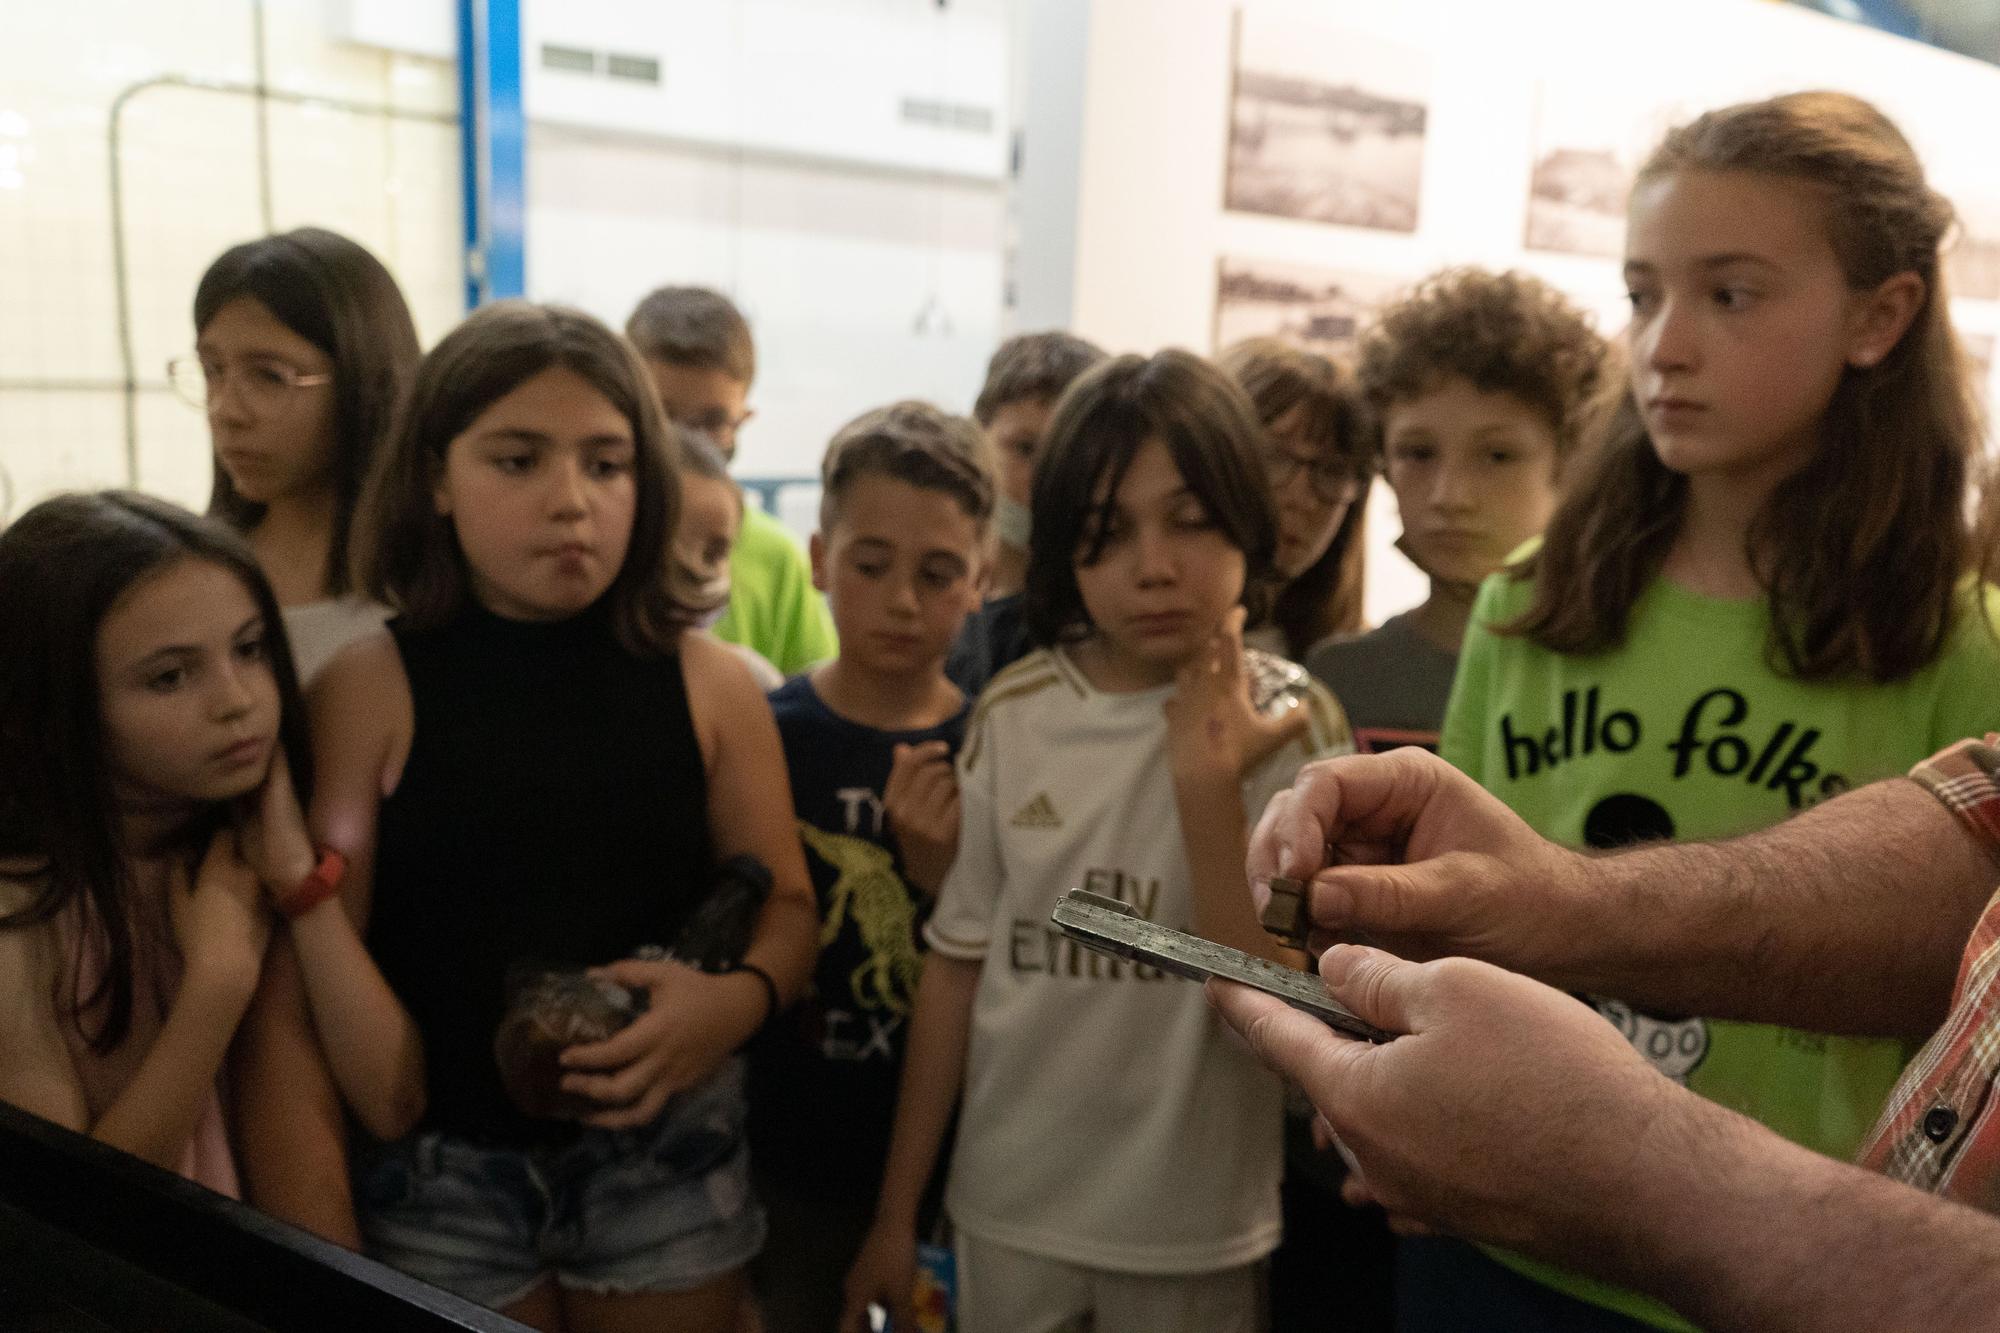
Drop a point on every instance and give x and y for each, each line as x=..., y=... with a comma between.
x=219, y=920
x=271, y=830
x=921, y=802
x=1213, y=729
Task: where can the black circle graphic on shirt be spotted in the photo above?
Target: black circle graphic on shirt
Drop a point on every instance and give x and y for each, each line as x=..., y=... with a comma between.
x=1619, y=821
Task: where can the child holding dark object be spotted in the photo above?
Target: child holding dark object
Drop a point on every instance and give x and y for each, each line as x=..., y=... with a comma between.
x=537, y=767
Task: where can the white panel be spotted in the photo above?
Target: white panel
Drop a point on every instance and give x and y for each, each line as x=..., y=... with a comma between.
x=823, y=79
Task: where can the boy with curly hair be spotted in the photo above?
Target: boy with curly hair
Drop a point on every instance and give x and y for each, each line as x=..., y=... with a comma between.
x=1477, y=386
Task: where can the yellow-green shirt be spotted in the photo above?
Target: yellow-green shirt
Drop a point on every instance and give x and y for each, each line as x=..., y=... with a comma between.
x=773, y=606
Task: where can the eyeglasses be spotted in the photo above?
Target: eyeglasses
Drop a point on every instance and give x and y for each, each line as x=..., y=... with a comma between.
x=1333, y=480
x=266, y=386
x=718, y=424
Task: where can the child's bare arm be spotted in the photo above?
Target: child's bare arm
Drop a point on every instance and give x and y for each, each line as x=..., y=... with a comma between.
x=361, y=728
x=1215, y=737
x=933, y=1073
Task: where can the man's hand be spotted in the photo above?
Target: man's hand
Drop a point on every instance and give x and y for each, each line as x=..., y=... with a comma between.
x=1405, y=851
x=1506, y=1113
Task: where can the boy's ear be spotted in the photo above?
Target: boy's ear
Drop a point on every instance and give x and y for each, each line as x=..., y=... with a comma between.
x=816, y=549
x=1882, y=317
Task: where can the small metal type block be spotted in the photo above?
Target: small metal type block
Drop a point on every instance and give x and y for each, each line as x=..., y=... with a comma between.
x=1285, y=912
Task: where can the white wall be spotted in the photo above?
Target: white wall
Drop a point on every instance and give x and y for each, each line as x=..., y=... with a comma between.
x=191, y=180
x=831, y=264
x=1138, y=248
x=773, y=162
x=834, y=246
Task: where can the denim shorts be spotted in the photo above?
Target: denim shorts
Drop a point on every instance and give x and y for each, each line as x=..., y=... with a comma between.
x=664, y=1208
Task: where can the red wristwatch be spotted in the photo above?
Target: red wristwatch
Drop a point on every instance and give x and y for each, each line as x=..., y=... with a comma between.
x=317, y=887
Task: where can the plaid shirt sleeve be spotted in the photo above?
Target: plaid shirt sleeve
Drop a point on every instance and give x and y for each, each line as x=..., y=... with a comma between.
x=1941, y=1129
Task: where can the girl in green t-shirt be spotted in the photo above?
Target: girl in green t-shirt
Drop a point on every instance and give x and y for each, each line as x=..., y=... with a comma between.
x=1758, y=590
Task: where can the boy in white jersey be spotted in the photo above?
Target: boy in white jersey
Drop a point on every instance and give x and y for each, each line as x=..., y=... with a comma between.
x=1117, y=1154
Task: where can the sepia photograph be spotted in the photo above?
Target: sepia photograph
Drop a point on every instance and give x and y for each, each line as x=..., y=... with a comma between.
x=1588, y=144
x=1321, y=309
x=1326, y=125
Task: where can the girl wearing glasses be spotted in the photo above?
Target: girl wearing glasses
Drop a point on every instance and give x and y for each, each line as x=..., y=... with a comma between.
x=1319, y=485
x=303, y=344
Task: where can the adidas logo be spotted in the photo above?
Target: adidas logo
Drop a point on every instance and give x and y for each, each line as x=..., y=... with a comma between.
x=1038, y=813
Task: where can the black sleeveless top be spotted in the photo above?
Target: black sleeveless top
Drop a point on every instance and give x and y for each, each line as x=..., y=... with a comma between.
x=554, y=810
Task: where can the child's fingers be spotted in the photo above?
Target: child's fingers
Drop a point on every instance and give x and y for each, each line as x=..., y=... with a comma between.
x=616, y=1051
x=1230, y=649
x=618, y=1090
x=932, y=788
x=641, y=1112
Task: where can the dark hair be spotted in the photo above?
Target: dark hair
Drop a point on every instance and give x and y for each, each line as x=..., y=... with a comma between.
x=1326, y=598
x=339, y=298
x=694, y=327
x=1861, y=550
x=912, y=442
x=1099, y=425
x=407, y=554
x=1501, y=333
x=1033, y=367
x=63, y=565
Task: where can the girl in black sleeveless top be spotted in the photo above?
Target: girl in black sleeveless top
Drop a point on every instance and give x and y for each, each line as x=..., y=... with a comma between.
x=535, y=767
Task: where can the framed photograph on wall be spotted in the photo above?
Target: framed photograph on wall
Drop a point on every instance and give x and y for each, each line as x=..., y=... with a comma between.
x=1324, y=310
x=1325, y=125
x=1589, y=142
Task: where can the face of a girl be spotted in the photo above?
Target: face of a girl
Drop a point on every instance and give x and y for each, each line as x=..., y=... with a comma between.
x=1474, y=475
x=1312, y=485
x=184, y=681
x=1742, y=321
x=1165, y=577
x=541, y=488
x=272, y=437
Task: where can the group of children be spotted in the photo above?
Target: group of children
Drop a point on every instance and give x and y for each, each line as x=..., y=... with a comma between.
x=482, y=668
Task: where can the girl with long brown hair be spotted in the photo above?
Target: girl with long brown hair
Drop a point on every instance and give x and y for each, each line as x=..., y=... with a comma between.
x=1758, y=590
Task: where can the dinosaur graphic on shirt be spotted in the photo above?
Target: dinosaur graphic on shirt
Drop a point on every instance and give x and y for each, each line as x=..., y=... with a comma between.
x=867, y=886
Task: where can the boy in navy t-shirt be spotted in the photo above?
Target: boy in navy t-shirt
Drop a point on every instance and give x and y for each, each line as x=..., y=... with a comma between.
x=869, y=738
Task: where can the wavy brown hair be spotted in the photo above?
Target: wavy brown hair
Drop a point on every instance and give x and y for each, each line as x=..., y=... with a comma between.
x=1861, y=550
x=407, y=556
x=1326, y=598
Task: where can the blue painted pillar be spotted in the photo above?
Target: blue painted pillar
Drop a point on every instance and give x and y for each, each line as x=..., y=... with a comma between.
x=494, y=149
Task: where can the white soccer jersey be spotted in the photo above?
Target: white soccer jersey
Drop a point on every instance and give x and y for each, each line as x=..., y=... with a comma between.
x=1109, y=1118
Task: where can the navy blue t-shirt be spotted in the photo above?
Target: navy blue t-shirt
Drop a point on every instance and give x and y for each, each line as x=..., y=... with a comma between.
x=824, y=1077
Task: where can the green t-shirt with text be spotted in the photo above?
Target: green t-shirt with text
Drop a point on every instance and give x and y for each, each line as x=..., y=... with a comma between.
x=773, y=606
x=1686, y=732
